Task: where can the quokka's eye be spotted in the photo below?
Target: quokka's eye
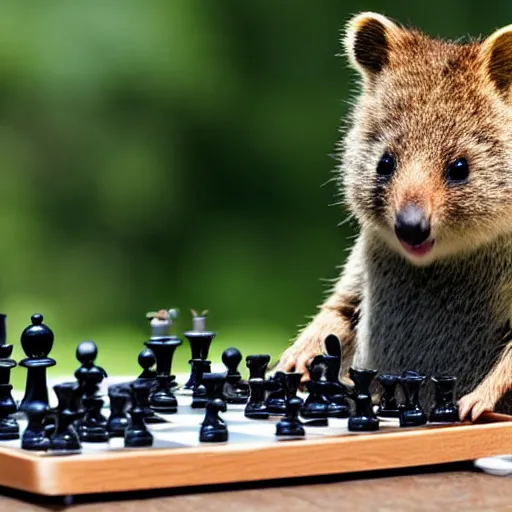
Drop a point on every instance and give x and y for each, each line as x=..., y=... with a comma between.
x=386, y=165
x=458, y=171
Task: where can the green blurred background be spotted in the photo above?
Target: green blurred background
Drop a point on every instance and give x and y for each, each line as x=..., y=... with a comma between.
x=160, y=154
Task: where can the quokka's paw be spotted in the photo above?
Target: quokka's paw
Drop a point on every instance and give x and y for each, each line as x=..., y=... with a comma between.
x=472, y=405
x=309, y=344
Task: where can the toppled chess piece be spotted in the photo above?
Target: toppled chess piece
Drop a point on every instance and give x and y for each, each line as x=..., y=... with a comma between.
x=92, y=427
x=445, y=409
x=388, y=405
x=65, y=438
x=200, y=340
x=235, y=391
x=364, y=419
x=411, y=412
x=37, y=342
x=137, y=434
x=213, y=429
x=290, y=425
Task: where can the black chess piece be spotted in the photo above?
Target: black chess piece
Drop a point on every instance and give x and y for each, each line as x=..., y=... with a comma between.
x=37, y=342
x=199, y=394
x=200, y=340
x=118, y=420
x=411, y=412
x=445, y=409
x=234, y=393
x=257, y=364
x=290, y=425
x=9, y=428
x=162, y=398
x=276, y=398
x=388, y=404
x=256, y=408
x=35, y=437
x=364, y=419
x=65, y=438
x=316, y=405
x=213, y=429
x=137, y=434
x=335, y=392
x=92, y=427
x=146, y=361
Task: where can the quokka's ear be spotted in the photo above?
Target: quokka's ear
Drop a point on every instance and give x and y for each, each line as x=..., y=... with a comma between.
x=368, y=42
x=497, y=53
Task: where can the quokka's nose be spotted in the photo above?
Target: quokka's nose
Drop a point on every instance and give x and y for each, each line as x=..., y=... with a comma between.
x=412, y=225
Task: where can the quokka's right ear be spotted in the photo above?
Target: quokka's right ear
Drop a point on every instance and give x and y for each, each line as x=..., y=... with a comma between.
x=368, y=41
x=496, y=51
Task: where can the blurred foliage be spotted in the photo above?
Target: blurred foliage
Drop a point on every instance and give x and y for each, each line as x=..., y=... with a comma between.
x=172, y=154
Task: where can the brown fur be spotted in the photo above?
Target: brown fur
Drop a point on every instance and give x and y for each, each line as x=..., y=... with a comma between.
x=427, y=102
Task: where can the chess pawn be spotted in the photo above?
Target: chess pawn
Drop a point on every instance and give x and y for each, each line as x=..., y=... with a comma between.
x=137, y=434
x=65, y=439
x=9, y=428
x=161, y=322
x=200, y=340
x=161, y=398
x=35, y=437
x=199, y=394
x=146, y=361
x=445, y=409
x=316, y=405
x=118, y=420
x=290, y=425
x=276, y=399
x=256, y=408
x=388, y=406
x=213, y=429
x=231, y=357
x=411, y=413
x=364, y=419
x=37, y=342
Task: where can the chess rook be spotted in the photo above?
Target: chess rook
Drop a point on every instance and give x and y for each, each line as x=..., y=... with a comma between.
x=388, y=405
x=276, y=398
x=411, y=413
x=364, y=419
x=290, y=425
x=162, y=399
x=316, y=405
x=257, y=364
x=118, y=420
x=445, y=409
x=213, y=429
x=34, y=437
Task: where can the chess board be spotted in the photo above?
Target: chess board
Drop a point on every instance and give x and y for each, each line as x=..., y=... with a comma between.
x=252, y=453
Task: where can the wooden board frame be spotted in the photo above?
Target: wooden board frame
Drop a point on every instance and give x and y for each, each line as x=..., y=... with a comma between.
x=145, y=469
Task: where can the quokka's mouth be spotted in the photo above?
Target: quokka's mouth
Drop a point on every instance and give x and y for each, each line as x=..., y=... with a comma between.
x=420, y=249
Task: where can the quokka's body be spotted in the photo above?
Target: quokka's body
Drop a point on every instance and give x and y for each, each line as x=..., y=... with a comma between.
x=426, y=170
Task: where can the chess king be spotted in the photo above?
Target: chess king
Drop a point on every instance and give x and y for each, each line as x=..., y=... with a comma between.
x=426, y=171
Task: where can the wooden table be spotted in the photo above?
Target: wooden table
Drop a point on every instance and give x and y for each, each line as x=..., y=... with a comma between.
x=456, y=487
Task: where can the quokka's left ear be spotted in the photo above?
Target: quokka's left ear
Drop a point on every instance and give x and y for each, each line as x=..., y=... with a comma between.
x=496, y=51
x=369, y=40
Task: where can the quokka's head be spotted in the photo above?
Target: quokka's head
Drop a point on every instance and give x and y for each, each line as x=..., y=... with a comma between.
x=427, y=160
